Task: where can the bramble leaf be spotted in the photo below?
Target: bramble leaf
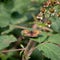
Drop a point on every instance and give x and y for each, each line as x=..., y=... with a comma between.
x=54, y=39
x=5, y=40
x=50, y=50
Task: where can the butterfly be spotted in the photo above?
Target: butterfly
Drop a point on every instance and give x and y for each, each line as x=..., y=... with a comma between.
x=29, y=33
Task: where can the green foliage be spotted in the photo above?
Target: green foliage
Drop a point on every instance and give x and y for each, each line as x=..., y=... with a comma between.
x=50, y=50
x=56, y=25
x=5, y=40
x=54, y=39
x=17, y=15
x=42, y=37
x=4, y=17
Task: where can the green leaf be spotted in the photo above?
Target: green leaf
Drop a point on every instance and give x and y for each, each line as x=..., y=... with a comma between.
x=3, y=56
x=36, y=55
x=18, y=21
x=57, y=8
x=4, y=17
x=4, y=20
x=8, y=4
x=41, y=38
x=40, y=1
x=20, y=5
x=50, y=50
x=54, y=39
x=56, y=25
x=54, y=19
x=5, y=40
x=8, y=8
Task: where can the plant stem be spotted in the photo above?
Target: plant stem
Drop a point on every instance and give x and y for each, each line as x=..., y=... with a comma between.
x=11, y=50
x=28, y=50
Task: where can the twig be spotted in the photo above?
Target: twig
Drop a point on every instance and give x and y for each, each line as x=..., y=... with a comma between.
x=12, y=50
x=46, y=29
x=21, y=27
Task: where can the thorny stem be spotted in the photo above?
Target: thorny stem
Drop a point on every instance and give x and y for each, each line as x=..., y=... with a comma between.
x=28, y=50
